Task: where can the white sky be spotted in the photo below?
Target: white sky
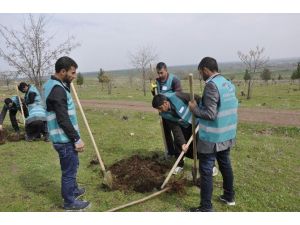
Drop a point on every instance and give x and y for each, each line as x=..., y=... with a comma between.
x=107, y=39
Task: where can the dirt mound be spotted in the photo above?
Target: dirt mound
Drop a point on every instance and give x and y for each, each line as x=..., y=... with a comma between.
x=12, y=137
x=139, y=173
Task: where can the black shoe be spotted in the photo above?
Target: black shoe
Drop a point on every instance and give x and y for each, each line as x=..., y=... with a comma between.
x=227, y=201
x=77, y=205
x=79, y=192
x=200, y=209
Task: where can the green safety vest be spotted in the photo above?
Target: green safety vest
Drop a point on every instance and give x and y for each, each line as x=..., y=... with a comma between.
x=166, y=86
x=224, y=127
x=36, y=110
x=57, y=135
x=181, y=108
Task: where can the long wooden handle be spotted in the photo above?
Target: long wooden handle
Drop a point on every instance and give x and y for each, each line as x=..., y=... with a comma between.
x=193, y=129
x=140, y=200
x=177, y=161
x=88, y=128
x=21, y=105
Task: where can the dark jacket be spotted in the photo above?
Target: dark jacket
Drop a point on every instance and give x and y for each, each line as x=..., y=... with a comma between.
x=57, y=102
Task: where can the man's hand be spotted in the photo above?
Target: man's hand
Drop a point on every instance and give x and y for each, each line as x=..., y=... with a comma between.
x=79, y=146
x=184, y=147
x=192, y=105
x=1, y=127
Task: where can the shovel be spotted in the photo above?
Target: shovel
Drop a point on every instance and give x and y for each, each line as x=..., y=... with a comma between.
x=108, y=180
x=177, y=161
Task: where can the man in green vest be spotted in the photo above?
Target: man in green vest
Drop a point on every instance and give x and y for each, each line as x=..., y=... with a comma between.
x=13, y=106
x=36, y=122
x=217, y=116
x=64, y=130
x=173, y=107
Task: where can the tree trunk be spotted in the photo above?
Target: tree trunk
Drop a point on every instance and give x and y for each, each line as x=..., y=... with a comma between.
x=249, y=90
x=144, y=82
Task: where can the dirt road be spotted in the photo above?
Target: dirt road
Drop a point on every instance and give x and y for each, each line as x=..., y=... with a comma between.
x=270, y=116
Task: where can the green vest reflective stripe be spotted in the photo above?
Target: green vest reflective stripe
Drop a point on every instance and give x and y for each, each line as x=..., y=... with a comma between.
x=166, y=86
x=36, y=110
x=15, y=100
x=224, y=127
x=181, y=109
x=57, y=135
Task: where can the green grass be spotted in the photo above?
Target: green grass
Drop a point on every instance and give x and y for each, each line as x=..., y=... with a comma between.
x=271, y=96
x=265, y=162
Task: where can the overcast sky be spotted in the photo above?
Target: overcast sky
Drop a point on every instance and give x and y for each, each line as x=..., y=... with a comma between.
x=179, y=39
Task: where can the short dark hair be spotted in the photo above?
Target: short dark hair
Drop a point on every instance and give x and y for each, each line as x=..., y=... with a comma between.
x=7, y=101
x=209, y=63
x=161, y=65
x=66, y=63
x=158, y=100
x=22, y=85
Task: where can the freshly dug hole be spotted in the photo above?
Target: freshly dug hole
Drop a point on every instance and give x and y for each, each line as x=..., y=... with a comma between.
x=139, y=173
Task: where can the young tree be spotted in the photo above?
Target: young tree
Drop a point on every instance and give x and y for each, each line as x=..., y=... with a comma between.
x=279, y=77
x=141, y=60
x=296, y=74
x=247, y=75
x=79, y=79
x=31, y=51
x=100, y=77
x=254, y=60
x=266, y=75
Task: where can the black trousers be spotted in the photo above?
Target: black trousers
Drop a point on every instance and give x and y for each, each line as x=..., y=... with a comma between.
x=13, y=118
x=187, y=133
x=169, y=138
x=36, y=128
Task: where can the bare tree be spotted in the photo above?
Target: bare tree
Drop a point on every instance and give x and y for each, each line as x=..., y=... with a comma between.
x=254, y=61
x=30, y=50
x=141, y=60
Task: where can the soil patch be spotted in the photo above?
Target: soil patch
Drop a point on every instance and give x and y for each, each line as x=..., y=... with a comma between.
x=139, y=173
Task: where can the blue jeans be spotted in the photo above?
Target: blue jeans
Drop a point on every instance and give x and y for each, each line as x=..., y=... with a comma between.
x=206, y=164
x=69, y=164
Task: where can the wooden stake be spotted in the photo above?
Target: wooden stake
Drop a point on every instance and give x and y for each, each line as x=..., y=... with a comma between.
x=194, y=169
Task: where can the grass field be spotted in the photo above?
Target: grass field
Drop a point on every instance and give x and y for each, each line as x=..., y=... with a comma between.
x=265, y=162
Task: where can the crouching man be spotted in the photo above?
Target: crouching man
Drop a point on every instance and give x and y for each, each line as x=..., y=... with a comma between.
x=13, y=106
x=173, y=107
x=36, y=123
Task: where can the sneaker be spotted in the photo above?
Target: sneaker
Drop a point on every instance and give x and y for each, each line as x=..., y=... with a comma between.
x=200, y=209
x=77, y=205
x=215, y=171
x=178, y=170
x=230, y=202
x=79, y=192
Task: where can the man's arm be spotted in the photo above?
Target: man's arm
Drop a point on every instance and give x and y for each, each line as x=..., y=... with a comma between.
x=210, y=100
x=176, y=85
x=57, y=102
x=31, y=97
